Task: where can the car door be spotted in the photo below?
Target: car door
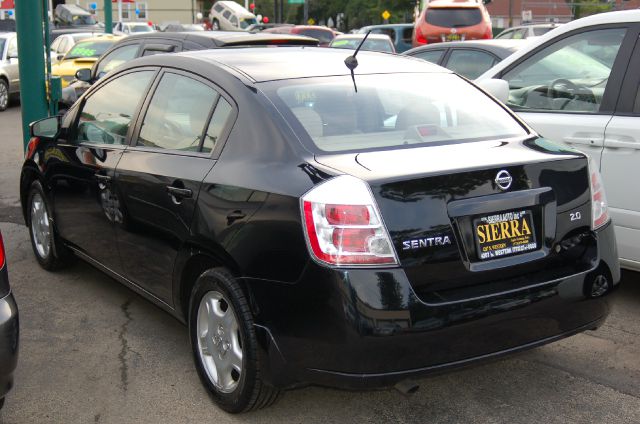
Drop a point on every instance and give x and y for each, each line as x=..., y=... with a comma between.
x=620, y=166
x=567, y=89
x=81, y=166
x=160, y=176
x=11, y=68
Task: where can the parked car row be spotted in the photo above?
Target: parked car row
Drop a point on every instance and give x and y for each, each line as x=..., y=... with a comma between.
x=279, y=211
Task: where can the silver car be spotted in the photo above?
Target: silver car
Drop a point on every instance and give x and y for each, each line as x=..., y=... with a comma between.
x=9, y=74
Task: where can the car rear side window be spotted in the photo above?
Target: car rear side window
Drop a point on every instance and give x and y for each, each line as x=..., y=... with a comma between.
x=177, y=114
x=432, y=56
x=217, y=125
x=454, y=17
x=470, y=63
x=106, y=115
x=407, y=34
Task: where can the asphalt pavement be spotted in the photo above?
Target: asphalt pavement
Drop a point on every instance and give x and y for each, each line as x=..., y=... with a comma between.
x=92, y=351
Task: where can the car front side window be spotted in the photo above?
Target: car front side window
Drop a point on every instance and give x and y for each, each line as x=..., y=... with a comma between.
x=569, y=75
x=106, y=115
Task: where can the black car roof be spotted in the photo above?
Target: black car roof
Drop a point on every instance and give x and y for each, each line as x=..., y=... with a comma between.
x=268, y=64
x=222, y=38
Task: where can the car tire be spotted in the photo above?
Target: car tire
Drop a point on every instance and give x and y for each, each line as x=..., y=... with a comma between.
x=215, y=25
x=227, y=360
x=4, y=95
x=47, y=247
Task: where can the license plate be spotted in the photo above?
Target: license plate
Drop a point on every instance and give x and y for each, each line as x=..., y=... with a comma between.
x=453, y=37
x=504, y=234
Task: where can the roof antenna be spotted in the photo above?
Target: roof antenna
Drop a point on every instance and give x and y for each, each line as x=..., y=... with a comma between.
x=352, y=62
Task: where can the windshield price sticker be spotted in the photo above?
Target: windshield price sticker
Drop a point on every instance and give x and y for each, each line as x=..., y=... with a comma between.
x=504, y=234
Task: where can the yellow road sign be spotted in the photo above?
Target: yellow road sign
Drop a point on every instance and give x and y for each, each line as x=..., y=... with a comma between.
x=386, y=15
x=311, y=21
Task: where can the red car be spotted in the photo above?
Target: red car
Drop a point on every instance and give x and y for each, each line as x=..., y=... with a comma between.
x=320, y=33
x=452, y=20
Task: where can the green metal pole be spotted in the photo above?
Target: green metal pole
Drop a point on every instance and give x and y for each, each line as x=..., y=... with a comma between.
x=33, y=97
x=47, y=49
x=108, y=17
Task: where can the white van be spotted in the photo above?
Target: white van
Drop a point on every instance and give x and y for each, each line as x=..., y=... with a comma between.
x=230, y=16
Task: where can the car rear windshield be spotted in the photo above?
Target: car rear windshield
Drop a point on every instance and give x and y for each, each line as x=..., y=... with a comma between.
x=538, y=31
x=140, y=28
x=389, y=111
x=454, y=17
x=88, y=49
x=318, y=34
x=369, y=44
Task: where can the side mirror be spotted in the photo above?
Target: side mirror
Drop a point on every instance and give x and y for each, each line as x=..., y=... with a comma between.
x=47, y=127
x=59, y=57
x=83, y=74
x=498, y=88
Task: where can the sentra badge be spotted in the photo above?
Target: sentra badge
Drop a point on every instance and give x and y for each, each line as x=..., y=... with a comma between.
x=425, y=242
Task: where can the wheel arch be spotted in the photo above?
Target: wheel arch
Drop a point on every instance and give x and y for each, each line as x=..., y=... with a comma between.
x=28, y=175
x=194, y=259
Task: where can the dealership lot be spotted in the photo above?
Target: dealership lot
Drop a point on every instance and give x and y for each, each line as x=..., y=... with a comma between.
x=93, y=351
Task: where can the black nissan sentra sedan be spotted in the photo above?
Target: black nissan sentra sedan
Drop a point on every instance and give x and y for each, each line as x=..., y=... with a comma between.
x=310, y=226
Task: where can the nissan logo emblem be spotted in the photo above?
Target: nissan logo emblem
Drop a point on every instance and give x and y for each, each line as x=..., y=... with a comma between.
x=503, y=180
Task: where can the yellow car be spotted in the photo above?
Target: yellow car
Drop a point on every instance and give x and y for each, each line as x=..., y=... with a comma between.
x=83, y=55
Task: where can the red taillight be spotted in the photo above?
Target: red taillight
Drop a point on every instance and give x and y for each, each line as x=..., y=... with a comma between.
x=599, y=206
x=347, y=214
x=1, y=252
x=353, y=239
x=31, y=147
x=420, y=38
x=488, y=34
x=343, y=225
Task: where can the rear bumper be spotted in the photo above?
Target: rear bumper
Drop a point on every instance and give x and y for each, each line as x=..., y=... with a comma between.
x=367, y=328
x=9, y=332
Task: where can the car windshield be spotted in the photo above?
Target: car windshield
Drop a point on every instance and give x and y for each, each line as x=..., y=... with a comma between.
x=88, y=49
x=83, y=20
x=140, y=28
x=245, y=22
x=369, y=44
x=453, y=17
x=388, y=111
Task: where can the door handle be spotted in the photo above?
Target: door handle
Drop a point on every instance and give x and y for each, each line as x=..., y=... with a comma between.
x=234, y=216
x=179, y=193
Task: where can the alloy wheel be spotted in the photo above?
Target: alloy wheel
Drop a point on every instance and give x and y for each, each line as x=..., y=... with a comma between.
x=40, y=226
x=4, y=96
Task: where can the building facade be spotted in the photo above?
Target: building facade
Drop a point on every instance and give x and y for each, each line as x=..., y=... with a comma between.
x=156, y=11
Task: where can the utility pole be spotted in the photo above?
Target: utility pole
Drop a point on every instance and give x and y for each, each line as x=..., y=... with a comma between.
x=306, y=12
x=108, y=17
x=510, y=13
x=29, y=23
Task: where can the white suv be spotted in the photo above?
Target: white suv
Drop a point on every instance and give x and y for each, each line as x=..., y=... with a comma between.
x=578, y=84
